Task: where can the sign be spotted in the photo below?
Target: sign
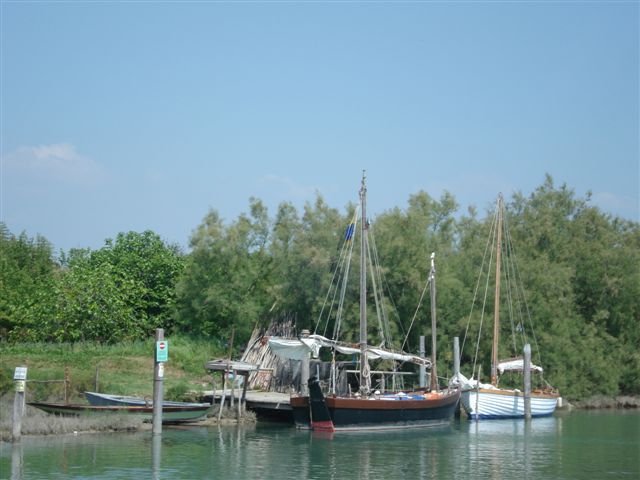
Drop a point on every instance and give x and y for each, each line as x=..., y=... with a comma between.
x=20, y=384
x=162, y=351
x=20, y=373
x=161, y=370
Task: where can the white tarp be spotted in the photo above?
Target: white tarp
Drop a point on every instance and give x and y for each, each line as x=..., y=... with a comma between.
x=516, y=364
x=298, y=349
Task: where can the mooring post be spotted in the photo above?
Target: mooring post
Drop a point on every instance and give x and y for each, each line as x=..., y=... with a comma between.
x=20, y=381
x=527, y=382
x=156, y=457
x=456, y=357
x=423, y=368
x=456, y=368
x=478, y=394
x=304, y=369
x=158, y=376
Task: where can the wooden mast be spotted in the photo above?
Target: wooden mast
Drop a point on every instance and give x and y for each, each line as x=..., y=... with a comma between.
x=496, y=307
x=432, y=278
x=365, y=375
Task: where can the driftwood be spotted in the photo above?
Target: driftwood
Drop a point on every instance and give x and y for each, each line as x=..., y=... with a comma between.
x=280, y=375
x=259, y=353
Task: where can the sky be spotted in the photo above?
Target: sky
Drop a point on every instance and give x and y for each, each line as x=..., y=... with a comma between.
x=120, y=116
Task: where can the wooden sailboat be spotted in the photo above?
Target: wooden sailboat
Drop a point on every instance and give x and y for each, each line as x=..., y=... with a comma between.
x=489, y=401
x=368, y=409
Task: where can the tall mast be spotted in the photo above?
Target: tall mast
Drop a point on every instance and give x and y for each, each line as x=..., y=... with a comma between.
x=365, y=375
x=432, y=282
x=496, y=306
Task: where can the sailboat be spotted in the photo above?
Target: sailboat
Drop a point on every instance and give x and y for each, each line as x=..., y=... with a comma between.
x=368, y=408
x=490, y=400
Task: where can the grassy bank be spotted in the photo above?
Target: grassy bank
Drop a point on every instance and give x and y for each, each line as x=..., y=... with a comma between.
x=125, y=368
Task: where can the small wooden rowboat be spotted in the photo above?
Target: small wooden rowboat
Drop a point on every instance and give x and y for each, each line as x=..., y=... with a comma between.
x=170, y=414
x=105, y=399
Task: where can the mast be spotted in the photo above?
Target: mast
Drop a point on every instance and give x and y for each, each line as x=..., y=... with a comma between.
x=365, y=375
x=496, y=306
x=432, y=282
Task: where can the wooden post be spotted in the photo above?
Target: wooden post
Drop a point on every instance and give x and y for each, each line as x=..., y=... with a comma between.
x=432, y=284
x=67, y=383
x=456, y=356
x=20, y=381
x=527, y=382
x=158, y=377
x=423, y=369
x=239, y=406
x=244, y=392
x=97, y=379
x=224, y=386
x=478, y=393
x=304, y=370
x=456, y=369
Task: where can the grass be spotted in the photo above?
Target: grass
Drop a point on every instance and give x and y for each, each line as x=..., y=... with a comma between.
x=125, y=368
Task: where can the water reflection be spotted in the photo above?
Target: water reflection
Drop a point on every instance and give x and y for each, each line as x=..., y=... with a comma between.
x=576, y=446
x=16, y=461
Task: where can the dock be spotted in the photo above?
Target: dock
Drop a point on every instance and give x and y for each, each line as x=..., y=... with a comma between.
x=266, y=405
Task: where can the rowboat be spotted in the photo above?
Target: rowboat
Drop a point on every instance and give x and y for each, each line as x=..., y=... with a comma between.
x=170, y=414
x=105, y=399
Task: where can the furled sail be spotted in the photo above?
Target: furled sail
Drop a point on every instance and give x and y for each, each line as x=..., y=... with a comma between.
x=516, y=365
x=298, y=349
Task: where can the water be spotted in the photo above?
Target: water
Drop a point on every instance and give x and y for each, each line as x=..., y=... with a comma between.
x=580, y=445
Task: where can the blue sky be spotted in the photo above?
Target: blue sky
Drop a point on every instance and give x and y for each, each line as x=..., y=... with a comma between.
x=121, y=116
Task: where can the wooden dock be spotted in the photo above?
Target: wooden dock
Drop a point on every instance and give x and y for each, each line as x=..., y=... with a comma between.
x=266, y=405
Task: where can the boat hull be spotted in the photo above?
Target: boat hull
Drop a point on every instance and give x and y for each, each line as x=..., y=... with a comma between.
x=497, y=404
x=335, y=413
x=105, y=400
x=170, y=414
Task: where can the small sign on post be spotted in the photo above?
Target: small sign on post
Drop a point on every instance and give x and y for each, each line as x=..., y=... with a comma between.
x=162, y=351
x=20, y=379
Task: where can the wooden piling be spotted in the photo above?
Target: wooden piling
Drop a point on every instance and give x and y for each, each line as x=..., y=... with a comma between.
x=423, y=369
x=304, y=370
x=158, y=376
x=20, y=380
x=527, y=382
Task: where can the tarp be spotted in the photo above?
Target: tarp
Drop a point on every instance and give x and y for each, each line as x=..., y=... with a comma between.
x=298, y=349
x=516, y=365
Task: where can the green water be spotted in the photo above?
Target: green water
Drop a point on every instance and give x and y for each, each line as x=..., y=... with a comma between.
x=580, y=445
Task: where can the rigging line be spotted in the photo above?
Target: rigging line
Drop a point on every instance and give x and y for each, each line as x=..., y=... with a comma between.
x=526, y=306
x=326, y=298
x=508, y=281
x=335, y=274
x=516, y=286
x=475, y=293
x=486, y=291
x=345, y=279
x=381, y=282
x=393, y=304
x=375, y=292
x=416, y=312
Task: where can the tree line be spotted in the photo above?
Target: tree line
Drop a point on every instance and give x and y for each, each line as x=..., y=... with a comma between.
x=580, y=267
